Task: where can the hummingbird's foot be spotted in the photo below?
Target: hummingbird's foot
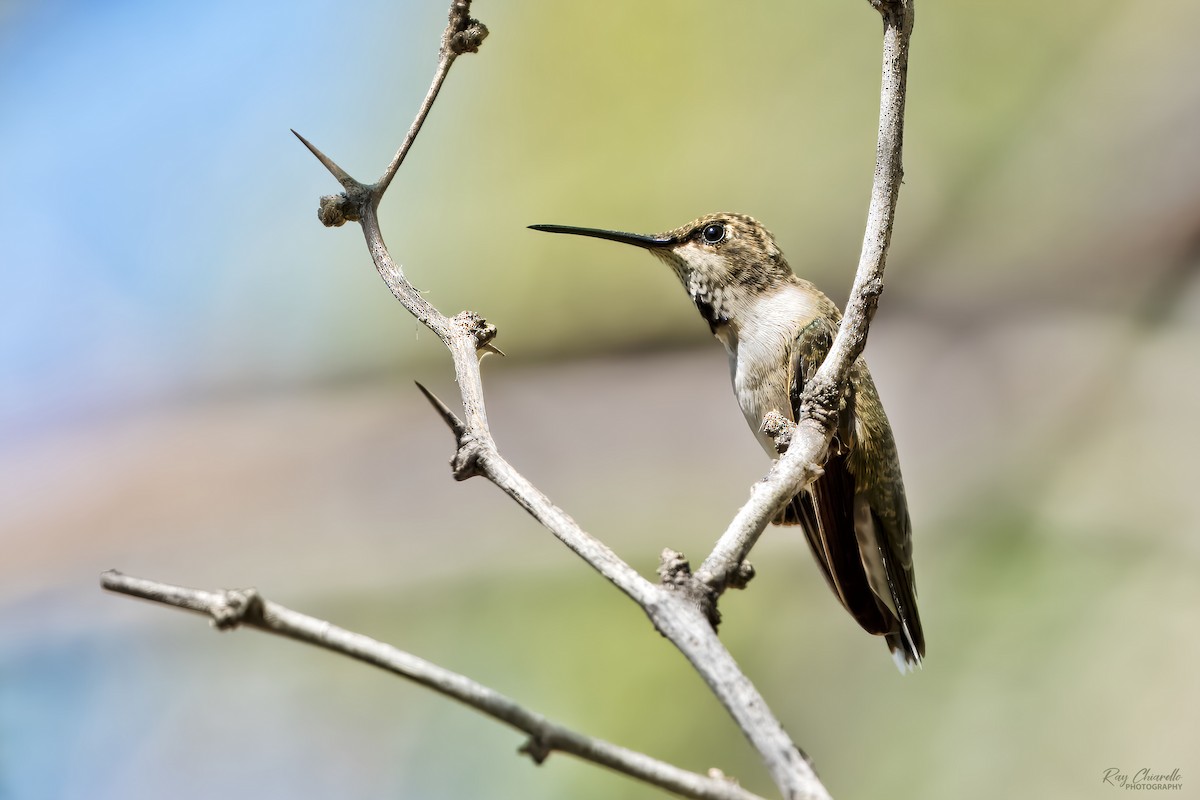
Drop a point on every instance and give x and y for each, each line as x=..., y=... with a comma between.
x=779, y=428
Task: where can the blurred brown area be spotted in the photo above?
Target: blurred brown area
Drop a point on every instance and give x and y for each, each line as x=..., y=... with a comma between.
x=1036, y=349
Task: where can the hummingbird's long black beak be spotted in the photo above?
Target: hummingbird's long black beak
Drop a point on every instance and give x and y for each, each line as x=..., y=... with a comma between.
x=635, y=239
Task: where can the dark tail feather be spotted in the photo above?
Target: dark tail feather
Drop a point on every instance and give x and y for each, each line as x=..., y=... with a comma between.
x=836, y=553
x=829, y=528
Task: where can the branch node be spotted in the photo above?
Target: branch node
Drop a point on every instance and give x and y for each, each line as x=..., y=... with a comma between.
x=675, y=574
x=673, y=568
x=463, y=34
x=890, y=10
x=468, y=39
x=479, y=329
x=872, y=289
x=338, y=209
x=465, y=463
x=741, y=576
x=537, y=750
x=236, y=607
x=718, y=774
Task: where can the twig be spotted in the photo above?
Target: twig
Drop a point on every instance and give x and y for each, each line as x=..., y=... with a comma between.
x=810, y=439
x=245, y=607
x=682, y=608
x=678, y=615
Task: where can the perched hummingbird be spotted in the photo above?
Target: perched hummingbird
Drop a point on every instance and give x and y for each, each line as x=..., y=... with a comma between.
x=777, y=329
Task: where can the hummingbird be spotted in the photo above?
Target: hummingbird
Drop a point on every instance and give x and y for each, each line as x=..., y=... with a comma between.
x=777, y=329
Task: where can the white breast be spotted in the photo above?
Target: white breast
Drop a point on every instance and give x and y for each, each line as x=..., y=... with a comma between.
x=759, y=340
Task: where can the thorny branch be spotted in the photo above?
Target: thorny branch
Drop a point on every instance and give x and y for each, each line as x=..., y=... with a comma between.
x=683, y=606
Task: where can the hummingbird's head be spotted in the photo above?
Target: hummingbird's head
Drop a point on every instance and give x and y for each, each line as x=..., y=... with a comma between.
x=723, y=259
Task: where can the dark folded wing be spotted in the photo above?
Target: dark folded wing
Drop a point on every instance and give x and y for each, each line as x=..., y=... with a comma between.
x=826, y=510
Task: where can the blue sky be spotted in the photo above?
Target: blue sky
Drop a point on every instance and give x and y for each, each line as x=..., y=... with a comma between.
x=153, y=196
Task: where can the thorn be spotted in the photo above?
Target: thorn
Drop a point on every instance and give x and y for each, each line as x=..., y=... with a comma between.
x=491, y=348
x=456, y=425
x=348, y=183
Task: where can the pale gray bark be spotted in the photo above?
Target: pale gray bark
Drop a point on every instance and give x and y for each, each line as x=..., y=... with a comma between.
x=682, y=607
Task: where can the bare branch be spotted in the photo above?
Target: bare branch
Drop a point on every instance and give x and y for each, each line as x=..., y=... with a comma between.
x=245, y=607
x=682, y=608
x=462, y=35
x=810, y=439
x=674, y=614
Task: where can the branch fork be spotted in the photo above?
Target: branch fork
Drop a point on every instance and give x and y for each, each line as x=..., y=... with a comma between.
x=675, y=575
x=683, y=606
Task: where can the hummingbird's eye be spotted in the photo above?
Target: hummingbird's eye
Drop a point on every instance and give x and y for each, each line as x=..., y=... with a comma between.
x=713, y=234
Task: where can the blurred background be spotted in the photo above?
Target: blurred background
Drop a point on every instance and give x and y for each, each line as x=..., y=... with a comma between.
x=200, y=384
